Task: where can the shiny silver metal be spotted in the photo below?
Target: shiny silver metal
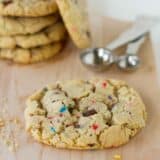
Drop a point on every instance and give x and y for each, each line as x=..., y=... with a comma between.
x=131, y=61
x=128, y=62
x=99, y=59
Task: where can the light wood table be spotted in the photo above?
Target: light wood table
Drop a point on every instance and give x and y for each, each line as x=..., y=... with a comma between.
x=17, y=82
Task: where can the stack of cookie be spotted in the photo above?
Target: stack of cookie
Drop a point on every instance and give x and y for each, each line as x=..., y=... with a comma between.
x=30, y=30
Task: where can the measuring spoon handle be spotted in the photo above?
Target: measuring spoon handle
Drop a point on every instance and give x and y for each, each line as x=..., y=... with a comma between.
x=135, y=45
x=142, y=26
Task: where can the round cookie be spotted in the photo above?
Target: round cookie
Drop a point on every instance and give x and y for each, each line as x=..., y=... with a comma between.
x=81, y=114
x=33, y=55
x=76, y=22
x=10, y=26
x=53, y=33
x=30, y=8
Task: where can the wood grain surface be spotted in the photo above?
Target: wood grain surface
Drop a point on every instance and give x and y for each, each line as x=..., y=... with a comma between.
x=17, y=82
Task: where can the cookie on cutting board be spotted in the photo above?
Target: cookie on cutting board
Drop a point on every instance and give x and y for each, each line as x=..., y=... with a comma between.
x=78, y=114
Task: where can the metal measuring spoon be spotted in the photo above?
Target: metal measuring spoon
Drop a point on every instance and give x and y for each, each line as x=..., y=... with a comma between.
x=99, y=59
x=131, y=61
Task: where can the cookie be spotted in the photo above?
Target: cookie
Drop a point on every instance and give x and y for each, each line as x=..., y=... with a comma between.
x=76, y=22
x=30, y=8
x=26, y=56
x=53, y=33
x=10, y=26
x=79, y=114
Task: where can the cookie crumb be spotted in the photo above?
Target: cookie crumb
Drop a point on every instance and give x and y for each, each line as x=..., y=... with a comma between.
x=9, y=136
x=15, y=121
x=1, y=123
x=117, y=157
x=11, y=145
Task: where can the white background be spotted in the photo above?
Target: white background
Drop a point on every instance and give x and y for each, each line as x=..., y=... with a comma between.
x=126, y=9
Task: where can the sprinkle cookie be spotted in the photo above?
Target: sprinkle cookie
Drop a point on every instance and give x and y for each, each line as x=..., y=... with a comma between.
x=27, y=8
x=53, y=33
x=31, y=55
x=10, y=26
x=76, y=22
x=81, y=114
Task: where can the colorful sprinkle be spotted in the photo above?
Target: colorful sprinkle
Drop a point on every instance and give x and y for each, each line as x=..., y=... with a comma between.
x=63, y=109
x=74, y=29
x=94, y=126
x=50, y=117
x=93, y=101
x=110, y=97
x=53, y=129
x=104, y=84
x=61, y=115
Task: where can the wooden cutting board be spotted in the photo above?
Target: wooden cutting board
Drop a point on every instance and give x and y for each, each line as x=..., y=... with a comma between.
x=17, y=82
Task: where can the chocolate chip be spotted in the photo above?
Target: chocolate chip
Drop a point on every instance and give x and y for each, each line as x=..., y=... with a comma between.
x=45, y=89
x=70, y=110
x=75, y=1
x=75, y=99
x=6, y=2
x=66, y=94
x=94, y=89
x=88, y=34
x=68, y=125
x=56, y=92
x=108, y=123
x=76, y=125
x=89, y=113
x=110, y=97
x=111, y=106
x=91, y=145
x=129, y=112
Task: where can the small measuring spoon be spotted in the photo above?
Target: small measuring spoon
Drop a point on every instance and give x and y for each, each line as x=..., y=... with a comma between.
x=99, y=59
x=131, y=61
